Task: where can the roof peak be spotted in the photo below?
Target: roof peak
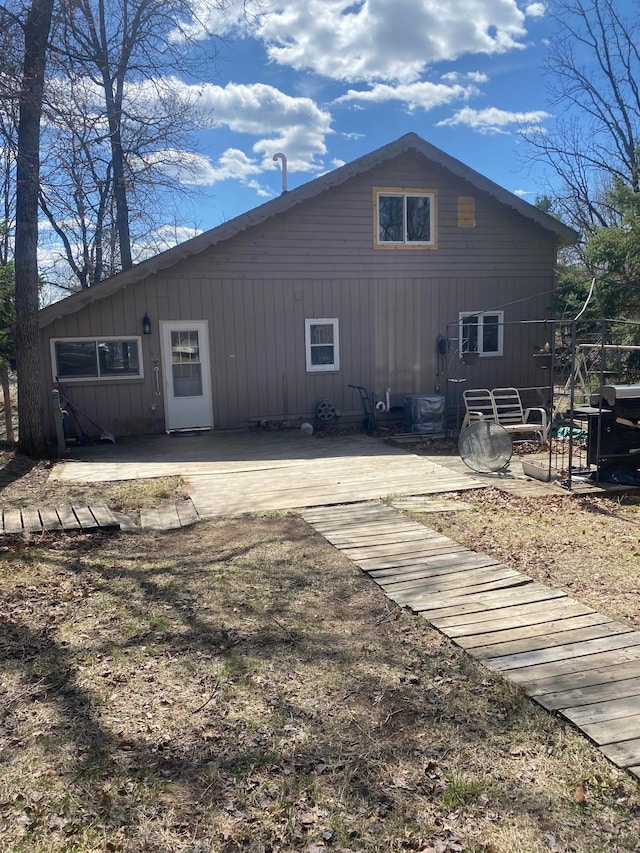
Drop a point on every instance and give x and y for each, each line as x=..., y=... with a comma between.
x=298, y=195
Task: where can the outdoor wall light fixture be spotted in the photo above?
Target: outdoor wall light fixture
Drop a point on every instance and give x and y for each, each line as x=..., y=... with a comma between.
x=146, y=325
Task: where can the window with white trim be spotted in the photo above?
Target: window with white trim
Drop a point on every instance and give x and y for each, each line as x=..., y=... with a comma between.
x=405, y=218
x=91, y=359
x=481, y=332
x=322, y=345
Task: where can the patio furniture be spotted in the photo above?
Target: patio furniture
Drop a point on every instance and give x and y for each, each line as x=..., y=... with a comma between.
x=510, y=414
x=479, y=406
x=503, y=406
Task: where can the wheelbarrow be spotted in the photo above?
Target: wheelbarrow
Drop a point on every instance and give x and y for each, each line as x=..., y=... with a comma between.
x=369, y=424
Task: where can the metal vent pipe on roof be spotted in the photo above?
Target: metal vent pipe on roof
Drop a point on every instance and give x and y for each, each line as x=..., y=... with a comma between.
x=283, y=158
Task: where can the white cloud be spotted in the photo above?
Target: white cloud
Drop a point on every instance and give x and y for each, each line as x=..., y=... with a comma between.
x=297, y=126
x=536, y=10
x=378, y=40
x=494, y=120
x=195, y=169
x=522, y=193
x=374, y=40
x=425, y=96
x=259, y=189
x=280, y=122
x=234, y=164
x=223, y=19
x=470, y=76
x=198, y=170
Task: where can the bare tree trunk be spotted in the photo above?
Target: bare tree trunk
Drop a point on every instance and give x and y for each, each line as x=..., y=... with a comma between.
x=114, y=114
x=6, y=395
x=31, y=439
x=114, y=90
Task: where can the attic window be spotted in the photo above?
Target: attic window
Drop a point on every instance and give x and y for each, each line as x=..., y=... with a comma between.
x=405, y=218
x=84, y=360
x=466, y=211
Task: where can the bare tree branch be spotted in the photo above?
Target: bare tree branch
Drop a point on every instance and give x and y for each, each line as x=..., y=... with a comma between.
x=594, y=72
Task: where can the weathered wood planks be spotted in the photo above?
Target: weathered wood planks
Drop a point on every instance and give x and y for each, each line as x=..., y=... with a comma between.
x=254, y=471
x=187, y=514
x=97, y=516
x=360, y=470
x=419, y=504
x=31, y=521
x=169, y=517
x=593, y=690
x=535, y=613
x=535, y=631
x=566, y=656
x=49, y=518
x=67, y=518
x=35, y=519
x=12, y=521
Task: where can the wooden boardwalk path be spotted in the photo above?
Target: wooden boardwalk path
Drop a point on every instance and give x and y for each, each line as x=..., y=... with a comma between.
x=239, y=471
x=38, y=519
x=373, y=471
x=35, y=519
x=566, y=656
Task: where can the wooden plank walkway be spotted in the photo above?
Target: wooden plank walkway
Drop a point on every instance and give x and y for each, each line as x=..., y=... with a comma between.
x=35, y=519
x=567, y=657
x=238, y=472
x=169, y=517
x=320, y=482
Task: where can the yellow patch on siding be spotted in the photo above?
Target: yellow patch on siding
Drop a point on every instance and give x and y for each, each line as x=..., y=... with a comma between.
x=466, y=211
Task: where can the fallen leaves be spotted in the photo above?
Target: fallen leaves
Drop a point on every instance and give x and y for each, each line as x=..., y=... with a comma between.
x=580, y=793
x=585, y=545
x=136, y=718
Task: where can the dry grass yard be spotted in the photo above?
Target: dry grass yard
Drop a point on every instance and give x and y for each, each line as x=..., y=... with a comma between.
x=587, y=546
x=240, y=686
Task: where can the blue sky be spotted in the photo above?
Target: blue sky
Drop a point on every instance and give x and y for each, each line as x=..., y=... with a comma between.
x=325, y=81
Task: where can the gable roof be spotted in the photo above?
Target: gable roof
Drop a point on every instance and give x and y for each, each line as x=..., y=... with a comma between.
x=408, y=142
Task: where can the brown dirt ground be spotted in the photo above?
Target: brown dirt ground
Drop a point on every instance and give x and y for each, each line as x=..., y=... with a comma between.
x=241, y=686
x=24, y=482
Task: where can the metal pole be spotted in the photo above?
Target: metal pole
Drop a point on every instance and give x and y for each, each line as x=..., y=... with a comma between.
x=59, y=416
x=552, y=372
x=603, y=332
x=572, y=397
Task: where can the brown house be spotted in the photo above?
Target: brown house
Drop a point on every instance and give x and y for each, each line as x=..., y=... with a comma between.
x=382, y=273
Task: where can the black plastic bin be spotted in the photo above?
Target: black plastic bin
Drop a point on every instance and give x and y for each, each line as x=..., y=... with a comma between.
x=424, y=413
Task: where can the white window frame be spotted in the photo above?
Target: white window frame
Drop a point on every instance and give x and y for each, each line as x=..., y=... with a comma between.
x=125, y=377
x=481, y=315
x=405, y=193
x=308, y=346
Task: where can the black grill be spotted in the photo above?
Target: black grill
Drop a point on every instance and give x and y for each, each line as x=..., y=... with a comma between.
x=614, y=427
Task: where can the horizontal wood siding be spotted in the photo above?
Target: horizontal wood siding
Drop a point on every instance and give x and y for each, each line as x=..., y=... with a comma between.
x=333, y=235
x=318, y=260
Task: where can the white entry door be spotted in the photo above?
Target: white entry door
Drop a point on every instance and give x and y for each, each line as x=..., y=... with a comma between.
x=187, y=375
